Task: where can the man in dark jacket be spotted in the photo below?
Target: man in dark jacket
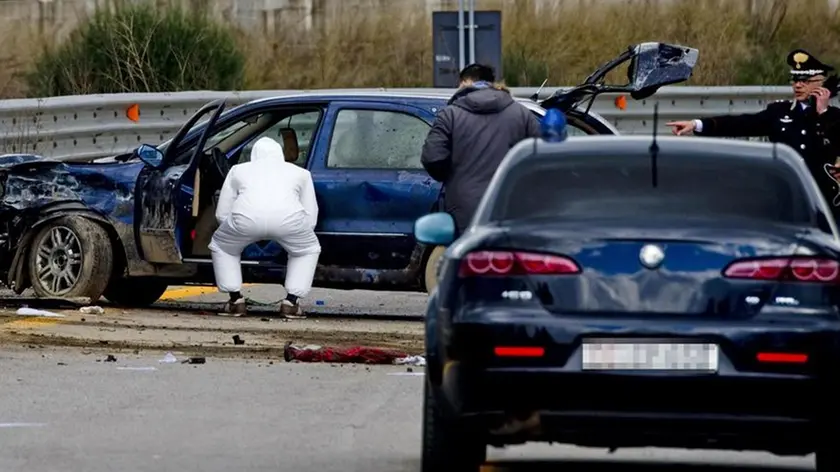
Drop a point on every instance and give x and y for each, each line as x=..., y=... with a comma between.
x=807, y=123
x=469, y=139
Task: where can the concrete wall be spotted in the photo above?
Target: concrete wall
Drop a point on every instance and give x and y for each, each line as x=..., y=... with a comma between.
x=62, y=15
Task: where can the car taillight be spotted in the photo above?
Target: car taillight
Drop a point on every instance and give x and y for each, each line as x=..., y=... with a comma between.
x=782, y=357
x=801, y=269
x=513, y=351
x=495, y=263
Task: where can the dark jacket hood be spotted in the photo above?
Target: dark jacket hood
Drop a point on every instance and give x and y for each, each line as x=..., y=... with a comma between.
x=482, y=101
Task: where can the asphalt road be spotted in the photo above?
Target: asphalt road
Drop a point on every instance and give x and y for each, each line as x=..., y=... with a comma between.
x=344, y=302
x=66, y=411
x=324, y=301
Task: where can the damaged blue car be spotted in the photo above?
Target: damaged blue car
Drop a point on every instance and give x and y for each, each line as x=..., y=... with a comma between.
x=130, y=227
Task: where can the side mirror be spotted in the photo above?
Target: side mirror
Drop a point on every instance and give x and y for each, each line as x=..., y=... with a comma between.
x=150, y=155
x=436, y=229
x=655, y=65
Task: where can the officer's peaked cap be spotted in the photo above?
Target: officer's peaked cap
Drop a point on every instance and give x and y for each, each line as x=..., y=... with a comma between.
x=804, y=65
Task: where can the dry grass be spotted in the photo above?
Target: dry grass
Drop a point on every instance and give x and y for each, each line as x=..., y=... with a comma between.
x=19, y=47
x=563, y=42
x=391, y=46
x=391, y=49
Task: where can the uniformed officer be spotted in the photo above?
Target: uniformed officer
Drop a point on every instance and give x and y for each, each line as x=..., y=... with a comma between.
x=807, y=123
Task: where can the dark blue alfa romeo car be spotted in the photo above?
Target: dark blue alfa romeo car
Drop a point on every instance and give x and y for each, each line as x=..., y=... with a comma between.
x=130, y=227
x=610, y=293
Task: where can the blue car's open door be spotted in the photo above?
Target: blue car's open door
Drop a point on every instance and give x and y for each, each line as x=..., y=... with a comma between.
x=160, y=207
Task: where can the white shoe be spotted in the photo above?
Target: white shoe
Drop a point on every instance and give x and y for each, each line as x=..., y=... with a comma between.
x=235, y=308
x=292, y=311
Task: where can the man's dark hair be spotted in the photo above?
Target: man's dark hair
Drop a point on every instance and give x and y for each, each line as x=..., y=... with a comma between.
x=477, y=73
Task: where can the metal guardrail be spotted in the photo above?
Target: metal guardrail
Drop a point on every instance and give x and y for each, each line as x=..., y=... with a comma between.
x=93, y=126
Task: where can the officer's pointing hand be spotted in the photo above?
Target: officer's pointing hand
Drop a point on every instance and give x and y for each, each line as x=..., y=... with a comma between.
x=823, y=96
x=681, y=127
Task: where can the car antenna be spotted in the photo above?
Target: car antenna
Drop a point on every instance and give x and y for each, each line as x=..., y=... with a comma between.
x=536, y=96
x=654, y=147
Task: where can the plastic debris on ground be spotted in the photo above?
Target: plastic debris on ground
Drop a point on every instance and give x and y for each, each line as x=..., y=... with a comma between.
x=26, y=311
x=92, y=310
x=348, y=355
x=169, y=358
x=411, y=360
x=194, y=360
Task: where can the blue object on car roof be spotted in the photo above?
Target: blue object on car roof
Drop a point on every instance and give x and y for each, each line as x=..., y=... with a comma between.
x=554, y=126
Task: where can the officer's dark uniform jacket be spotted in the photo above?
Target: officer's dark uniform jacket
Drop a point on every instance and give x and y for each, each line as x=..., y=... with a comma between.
x=815, y=137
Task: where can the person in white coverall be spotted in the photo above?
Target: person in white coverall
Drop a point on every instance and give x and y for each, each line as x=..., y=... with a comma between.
x=266, y=199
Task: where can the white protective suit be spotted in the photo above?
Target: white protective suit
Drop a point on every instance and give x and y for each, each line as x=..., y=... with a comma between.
x=266, y=199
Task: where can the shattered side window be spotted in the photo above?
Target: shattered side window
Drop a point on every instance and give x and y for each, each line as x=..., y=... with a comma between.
x=377, y=139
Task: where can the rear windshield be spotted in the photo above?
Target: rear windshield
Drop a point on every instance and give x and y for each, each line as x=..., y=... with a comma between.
x=621, y=187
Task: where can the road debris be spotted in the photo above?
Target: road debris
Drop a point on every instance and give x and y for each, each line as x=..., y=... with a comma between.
x=349, y=355
x=411, y=360
x=92, y=310
x=26, y=311
x=194, y=360
x=110, y=358
x=169, y=358
x=193, y=335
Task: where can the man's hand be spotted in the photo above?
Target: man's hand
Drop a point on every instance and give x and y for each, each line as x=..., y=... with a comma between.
x=681, y=127
x=823, y=96
x=834, y=172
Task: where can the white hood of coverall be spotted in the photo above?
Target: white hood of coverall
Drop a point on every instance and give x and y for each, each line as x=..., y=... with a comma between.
x=267, y=149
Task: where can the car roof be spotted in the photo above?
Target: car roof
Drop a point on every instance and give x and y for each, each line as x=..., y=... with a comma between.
x=432, y=97
x=670, y=145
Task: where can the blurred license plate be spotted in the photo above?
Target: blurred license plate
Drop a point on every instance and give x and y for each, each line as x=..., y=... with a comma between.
x=650, y=356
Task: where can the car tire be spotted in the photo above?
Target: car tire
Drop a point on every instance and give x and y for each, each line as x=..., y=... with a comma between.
x=431, y=270
x=446, y=446
x=70, y=257
x=135, y=292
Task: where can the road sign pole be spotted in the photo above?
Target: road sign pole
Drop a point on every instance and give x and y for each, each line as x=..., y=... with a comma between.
x=472, y=27
x=461, y=45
